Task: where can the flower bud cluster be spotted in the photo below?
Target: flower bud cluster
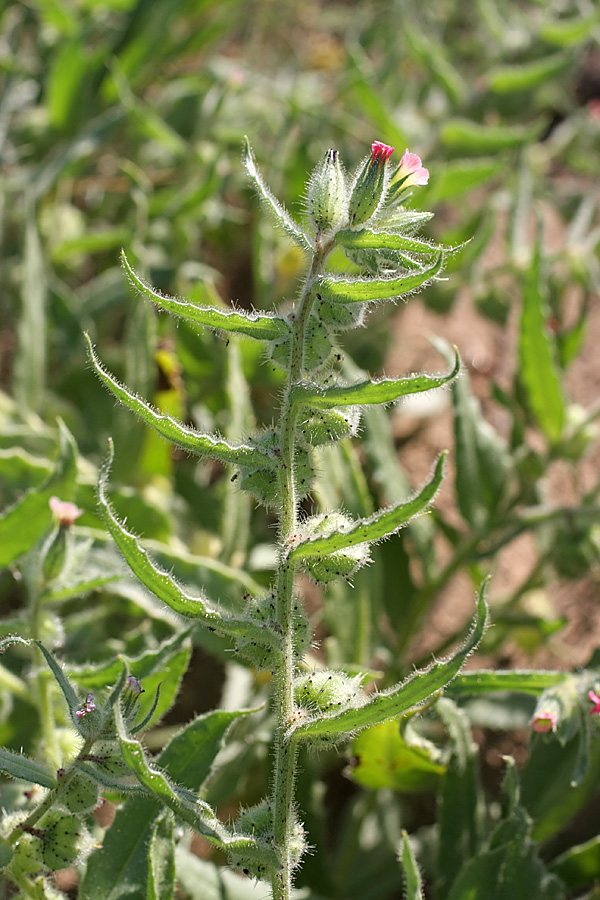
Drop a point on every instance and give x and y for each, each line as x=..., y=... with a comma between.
x=334, y=202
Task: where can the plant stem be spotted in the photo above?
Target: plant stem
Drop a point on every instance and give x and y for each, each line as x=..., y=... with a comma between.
x=44, y=688
x=284, y=770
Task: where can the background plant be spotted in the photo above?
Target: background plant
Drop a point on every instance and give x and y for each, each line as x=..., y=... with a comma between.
x=345, y=81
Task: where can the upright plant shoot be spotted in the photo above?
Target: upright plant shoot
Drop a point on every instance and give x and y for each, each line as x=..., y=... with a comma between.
x=365, y=217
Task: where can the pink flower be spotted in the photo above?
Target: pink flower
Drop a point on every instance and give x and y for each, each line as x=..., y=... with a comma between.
x=87, y=707
x=64, y=511
x=380, y=152
x=411, y=170
x=594, y=108
x=134, y=685
x=544, y=721
x=595, y=699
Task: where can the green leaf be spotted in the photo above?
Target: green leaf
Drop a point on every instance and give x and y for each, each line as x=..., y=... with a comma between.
x=161, y=860
x=73, y=701
x=190, y=754
x=579, y=866
x=185, y=804
x=23, y=524
x=6, y=853
x=19, y=766
x=553, y=801
x=483, y=463
x=538, y=370
x=459, y=799
x=363, y=290
x=386, y=760
x=119, y=867
x=435, y=58
x=535, y=683
x=412, y=876
x=378, y=526
x=527, y=75
x=118, y=870
x=149, y=662
x=468, y=136
x=372, y=392
x=176, y=432
x=404, y=696
x=280, y=213
x=164, y=586
x=22, y=470
x=29, y=367
x=509, y=867
x=368, y=239
x=567, y=32
x=260, y=326
x=65, y=76
x=457, y=177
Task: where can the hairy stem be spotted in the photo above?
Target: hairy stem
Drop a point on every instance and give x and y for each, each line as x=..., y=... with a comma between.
x=284, y=770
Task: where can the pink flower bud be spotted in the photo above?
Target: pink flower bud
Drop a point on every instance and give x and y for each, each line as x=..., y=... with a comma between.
x=380, y=153
x=134, y=685
x=87, y=707
x=64, y=511
x=370, y=184
x=595, y=699
x=544, y=721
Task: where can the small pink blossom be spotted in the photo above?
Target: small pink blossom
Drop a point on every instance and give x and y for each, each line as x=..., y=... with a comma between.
x=380, y=152
x=134, y=685
x=594, y=108
x=544, y=721
x=595, y=699
x=411, y=170
x=88, y=707
x=64, y=511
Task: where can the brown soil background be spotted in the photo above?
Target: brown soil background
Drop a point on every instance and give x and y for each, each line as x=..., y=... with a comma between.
x=488, y=352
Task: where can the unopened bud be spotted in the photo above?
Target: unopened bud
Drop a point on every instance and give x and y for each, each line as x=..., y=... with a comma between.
x=557, y=710
x=544, y=721
x=369, y=185
x=327, y=193
x=54, y=550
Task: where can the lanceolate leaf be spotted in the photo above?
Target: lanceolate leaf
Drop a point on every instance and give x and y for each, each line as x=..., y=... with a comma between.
x=255, y=325
x=184, y=803
x=404, y=696
x=25, y=522
x=177, y=432
x=412, y=876
x=382, y=524
x=487, y=681
x=459, y=799
x=538, y=369
x=161, y=860
x=483, y=463
x=280, y=213
x=526, y=76
x=363, y=290
x=384, y=391
x=95, y=677
x=367, y=239
x=120, y=865
x=164, y=586
x=18, y=766
x=64, y=684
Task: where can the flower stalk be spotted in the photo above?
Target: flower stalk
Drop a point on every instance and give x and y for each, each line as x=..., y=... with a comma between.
x=318, y=406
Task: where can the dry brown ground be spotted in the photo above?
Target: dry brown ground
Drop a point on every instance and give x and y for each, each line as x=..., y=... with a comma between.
x=488, y=352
